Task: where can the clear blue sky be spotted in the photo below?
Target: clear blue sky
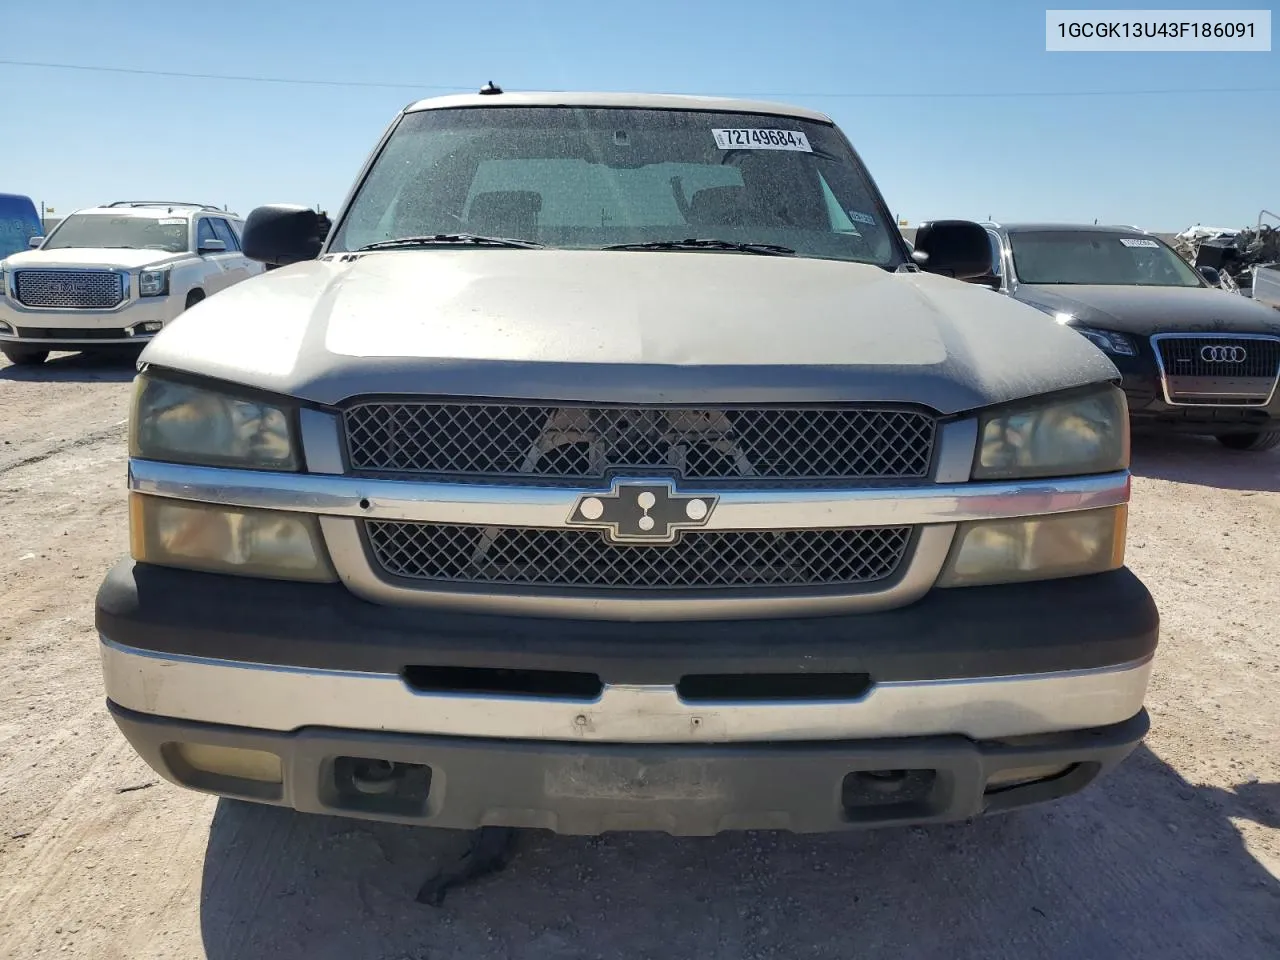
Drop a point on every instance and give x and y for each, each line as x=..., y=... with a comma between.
x=73, y=138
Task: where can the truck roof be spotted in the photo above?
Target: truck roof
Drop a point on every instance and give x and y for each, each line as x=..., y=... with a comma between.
x=1035, y=226
x=652, y=101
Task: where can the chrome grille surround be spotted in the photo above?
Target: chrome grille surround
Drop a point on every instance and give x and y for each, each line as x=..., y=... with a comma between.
x=1188, y=379
x=566, y=443
x=345, y=505
x=577, y=559
x=70, y=289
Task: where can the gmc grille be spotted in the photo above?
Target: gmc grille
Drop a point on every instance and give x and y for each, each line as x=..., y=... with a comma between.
x=69, y=289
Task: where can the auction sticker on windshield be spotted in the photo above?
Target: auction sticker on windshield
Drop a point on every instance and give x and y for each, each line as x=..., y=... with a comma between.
x=1133, y=242
x=754, y=139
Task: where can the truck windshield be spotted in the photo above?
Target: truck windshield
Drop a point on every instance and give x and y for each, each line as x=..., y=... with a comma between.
x=18, y=224
x=1097, y=257
x=104, y=230
x=590, y=178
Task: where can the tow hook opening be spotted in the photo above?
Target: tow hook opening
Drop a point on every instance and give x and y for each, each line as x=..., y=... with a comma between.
x=378, y=786
x=887, y=794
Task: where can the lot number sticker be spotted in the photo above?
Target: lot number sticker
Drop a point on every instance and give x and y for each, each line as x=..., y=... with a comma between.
x=754, y=139
x=1129, y=242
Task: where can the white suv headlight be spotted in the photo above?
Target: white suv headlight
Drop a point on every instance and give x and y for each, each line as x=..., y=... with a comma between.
x=183, y=423
x=153, y=283
x=1068, y=436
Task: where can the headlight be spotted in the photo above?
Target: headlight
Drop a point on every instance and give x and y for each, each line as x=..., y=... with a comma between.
x=1037, y=548
x=153, y=283
x=1108, y=341
x=1088, y=433
x=252, y=543
x=186, y=424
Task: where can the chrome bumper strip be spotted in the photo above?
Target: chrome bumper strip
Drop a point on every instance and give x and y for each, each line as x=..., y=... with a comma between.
x=290, y=698
x=542, y=506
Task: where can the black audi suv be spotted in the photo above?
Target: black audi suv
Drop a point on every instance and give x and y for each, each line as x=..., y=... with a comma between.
x=1194, y=358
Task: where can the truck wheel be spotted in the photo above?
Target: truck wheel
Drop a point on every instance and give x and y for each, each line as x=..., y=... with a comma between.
x=1261, y=440
x=25, y=356
x=194, y=297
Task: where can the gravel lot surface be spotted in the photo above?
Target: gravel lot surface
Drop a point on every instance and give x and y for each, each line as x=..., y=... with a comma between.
x=1175, y=855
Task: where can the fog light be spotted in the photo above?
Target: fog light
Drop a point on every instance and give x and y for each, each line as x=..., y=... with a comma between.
x=5, y=328
x=1037, y=548
x=238, y=762
x=1016, y=776
x=151, y=326
x=253, y=543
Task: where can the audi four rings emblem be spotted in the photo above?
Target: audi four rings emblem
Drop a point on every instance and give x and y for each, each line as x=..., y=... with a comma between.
x=642, y=511
x=1220, y=353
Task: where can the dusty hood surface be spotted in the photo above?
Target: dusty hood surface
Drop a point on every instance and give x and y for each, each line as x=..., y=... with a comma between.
x=1146, y=310
x=659, y=327
x=121, y=258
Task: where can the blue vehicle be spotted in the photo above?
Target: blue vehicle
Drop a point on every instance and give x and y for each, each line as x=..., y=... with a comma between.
x=19, y=222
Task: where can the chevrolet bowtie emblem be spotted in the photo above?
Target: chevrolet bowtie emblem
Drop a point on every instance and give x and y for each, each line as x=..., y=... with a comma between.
x=642, y=511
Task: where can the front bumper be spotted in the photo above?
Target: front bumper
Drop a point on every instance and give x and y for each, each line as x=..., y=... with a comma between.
x=1150, y=410
x=577, y=788
x=582, y=726
x=48, y=329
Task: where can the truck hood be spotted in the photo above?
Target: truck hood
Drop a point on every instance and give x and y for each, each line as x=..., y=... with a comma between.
x=1146, y=310
x=118, y=258
x=603, y=326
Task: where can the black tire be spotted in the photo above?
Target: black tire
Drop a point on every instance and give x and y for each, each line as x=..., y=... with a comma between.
x=194, y=297
x=1253, y=442
x=25, y=356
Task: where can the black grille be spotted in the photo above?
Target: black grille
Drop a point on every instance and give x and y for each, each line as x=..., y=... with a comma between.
x=1184, y=357
x=446, y=553
x=70, y=289
x=570, y=443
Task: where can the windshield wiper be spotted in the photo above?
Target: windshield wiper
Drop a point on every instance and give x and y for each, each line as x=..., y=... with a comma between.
x=767, y=249
x=460, y=239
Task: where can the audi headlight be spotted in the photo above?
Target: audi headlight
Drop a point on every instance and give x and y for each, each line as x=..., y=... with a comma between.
x=182, y=423
x=1086, y=433
x=153, y=283
x=1108, y=341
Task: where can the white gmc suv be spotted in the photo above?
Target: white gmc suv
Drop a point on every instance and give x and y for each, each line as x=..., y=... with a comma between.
x=114, y=276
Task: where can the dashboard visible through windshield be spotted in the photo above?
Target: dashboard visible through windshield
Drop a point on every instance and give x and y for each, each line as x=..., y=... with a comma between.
x=590, y=178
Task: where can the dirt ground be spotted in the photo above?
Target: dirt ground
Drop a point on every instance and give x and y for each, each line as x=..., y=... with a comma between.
x=1175, y=855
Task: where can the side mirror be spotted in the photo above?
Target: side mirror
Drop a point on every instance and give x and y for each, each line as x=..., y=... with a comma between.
x=213, y=246
x=953, y=248
x=280, y=234
x=34, y=243
x=1211, y=274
